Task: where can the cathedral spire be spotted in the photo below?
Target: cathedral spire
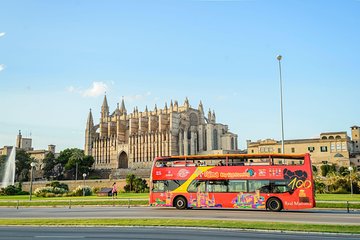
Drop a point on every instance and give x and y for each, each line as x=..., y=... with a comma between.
x=186, y=103
x=89, y=134
x=213, y=117
x=201, y=108
x=171, y=106
x=166, y=108
x=155, y=109
x=104, y=108
x=122, y=107
x=90, y=121
x=209, y=116
x=176, y=106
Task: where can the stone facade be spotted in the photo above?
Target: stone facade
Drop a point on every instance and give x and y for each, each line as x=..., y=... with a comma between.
x=330, y=148
x=37, y=155
x=123, y=140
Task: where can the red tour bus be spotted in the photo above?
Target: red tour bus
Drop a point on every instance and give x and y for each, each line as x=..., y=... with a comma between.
x=245, y=181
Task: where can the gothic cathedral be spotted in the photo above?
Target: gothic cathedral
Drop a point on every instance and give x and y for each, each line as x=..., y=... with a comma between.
x=123, y=140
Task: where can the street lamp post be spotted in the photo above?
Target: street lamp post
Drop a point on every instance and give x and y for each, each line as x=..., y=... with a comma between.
x=76, y=171
x=351, y=185
x=279, y=57
x=32, y=164
x=84, y=176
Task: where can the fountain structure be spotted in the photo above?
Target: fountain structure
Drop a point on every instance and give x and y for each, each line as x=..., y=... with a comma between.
x=9, y=171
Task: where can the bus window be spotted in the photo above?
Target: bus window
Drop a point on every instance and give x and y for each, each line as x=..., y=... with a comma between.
x=158, y=186
x=280, y=186
x=196, y=186
x=217, y=186
x=173, y=184
x=261, y=185
x=237, y=186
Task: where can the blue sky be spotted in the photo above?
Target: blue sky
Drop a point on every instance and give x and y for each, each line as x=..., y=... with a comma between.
x=57, y=58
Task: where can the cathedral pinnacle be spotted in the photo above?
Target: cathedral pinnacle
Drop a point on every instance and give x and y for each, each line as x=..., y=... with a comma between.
x=104, y=108
x=201, y=108
x=90, y=121
x=122, y=107
x=155, y=109
x=186, y=103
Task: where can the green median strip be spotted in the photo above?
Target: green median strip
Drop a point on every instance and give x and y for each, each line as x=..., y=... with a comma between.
x=59, y=203
x=185, y=223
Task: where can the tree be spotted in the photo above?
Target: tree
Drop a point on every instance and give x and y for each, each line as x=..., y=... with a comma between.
x=315, y=170
x=52, y=168
x=22, y=165
x=343, y=171
x=73, y=156
x=135, y=184
x=130, y=181
x=324, y=169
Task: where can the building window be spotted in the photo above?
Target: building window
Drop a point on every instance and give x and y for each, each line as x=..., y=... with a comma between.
x=292, y=150
x=338, y=146
x=323, y=148
x=324, y=162
x=311, y=149
x=252, y=151
x=332, y=146
x=279, y=150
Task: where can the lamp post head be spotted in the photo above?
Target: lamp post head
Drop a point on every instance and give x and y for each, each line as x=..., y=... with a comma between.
x=279, y=57
x=84, y=175
x=350, y=169
x=32, y=164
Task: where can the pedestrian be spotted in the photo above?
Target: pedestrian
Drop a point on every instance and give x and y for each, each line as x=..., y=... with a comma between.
x=114, y=190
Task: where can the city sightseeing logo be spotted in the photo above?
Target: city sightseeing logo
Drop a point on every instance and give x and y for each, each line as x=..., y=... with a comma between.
x=183, y=173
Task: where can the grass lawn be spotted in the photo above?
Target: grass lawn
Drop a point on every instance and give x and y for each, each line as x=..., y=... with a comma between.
x=120, y=196
x=186, y=223
x=124, y=199
x=338, y=197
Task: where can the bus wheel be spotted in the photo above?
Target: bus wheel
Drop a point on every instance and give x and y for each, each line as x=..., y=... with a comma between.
x=274, y=205
x=180, y=203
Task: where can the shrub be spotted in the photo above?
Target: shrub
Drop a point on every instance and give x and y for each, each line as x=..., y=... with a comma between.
x=11, y=190
x=79, y=191
x=56, y=184
x=50, y=195
x=135, y=184
x=43, y=191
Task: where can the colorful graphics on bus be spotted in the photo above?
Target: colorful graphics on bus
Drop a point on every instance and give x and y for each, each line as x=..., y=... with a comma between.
x=247, y=200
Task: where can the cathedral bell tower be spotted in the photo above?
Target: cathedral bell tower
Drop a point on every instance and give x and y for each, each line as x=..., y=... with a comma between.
x=89, y=134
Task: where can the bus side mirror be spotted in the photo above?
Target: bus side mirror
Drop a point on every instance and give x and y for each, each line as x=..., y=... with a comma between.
x=291, y=191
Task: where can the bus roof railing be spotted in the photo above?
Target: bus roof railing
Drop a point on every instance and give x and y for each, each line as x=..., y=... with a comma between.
x=232, y=156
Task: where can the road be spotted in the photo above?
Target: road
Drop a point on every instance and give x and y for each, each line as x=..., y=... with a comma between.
x=147, y=233
x=308, y=216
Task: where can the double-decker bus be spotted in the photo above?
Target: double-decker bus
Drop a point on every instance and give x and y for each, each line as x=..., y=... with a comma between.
x=245, y=181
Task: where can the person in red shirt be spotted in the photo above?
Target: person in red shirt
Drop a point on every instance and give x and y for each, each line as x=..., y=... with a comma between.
x=114, y=190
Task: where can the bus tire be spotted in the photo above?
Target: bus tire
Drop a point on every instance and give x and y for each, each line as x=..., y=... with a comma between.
x=180, y=203
x=274, y=204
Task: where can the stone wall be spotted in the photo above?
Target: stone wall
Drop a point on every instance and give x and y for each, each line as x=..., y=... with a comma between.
x=99, y=183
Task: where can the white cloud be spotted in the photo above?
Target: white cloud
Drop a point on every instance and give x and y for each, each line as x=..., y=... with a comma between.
x=2, y=34
x=137, y=97
x=97, y=89
x=2, y=67
x=71, y=89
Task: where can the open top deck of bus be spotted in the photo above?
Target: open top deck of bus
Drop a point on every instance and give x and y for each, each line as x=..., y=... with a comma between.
x=233, y=160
